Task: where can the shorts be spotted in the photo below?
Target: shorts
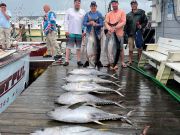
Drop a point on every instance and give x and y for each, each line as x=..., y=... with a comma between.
x=74, y=39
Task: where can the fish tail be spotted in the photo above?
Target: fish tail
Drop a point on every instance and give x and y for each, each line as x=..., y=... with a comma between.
x=113, y=76
x=119, y=93
x=119, y=89
x=116, y=84
x=120, y=105
x=130, y=113
x=127, y=121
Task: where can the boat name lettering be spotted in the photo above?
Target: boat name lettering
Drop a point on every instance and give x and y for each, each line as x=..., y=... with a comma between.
x=11, y=81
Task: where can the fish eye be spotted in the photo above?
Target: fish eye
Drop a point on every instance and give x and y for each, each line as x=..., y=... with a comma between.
x=53, y=110
x=42, y=129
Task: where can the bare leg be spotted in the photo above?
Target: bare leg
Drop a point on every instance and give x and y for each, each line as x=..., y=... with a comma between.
x=130, y=57
x=122, y=58
x=139, y=53
x=78, y=53
x=67, y=54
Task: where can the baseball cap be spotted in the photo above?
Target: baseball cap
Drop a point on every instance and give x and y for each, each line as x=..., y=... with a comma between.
x=134, y=1
x=93, y=3
x=114, y=1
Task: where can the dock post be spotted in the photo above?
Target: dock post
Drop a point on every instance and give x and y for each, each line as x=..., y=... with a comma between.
x=42, y=36
x=29, y=30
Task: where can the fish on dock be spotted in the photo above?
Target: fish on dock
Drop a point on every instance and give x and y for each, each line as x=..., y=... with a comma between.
x=73, y=130
x=89, y=78
x=71, y=98
x=89, y=87
x=85, y=114
x=90, y=71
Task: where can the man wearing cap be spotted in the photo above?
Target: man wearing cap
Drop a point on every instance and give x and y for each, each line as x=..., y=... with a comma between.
x=114, y=22
x=74, y=30
x=5, y=26
x=94, y=19
x=136, y=22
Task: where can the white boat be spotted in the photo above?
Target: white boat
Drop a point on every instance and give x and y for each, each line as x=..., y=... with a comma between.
x=14, y=76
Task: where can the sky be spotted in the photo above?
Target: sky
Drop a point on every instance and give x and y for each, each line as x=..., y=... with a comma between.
x=34, y=7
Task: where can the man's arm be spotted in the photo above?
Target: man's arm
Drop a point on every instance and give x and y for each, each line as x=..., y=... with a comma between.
x=107, y=21
x=100, y=22
x=66, y=22
x=86, y=20
x=7, y=15
x=144, y=21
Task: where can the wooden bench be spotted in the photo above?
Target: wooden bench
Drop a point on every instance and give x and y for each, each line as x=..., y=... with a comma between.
x=169, y=70
x=165, y=49
x=158, y=55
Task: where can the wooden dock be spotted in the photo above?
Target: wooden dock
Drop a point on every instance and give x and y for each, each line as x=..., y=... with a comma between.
x=153, y=106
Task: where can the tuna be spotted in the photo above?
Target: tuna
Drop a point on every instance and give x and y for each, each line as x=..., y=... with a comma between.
x=74, y=130
x=111, y=48
x=71, y=98
x=90, y=71
x=91, y=47
x=88, y=87
x=89, y=78
x=84, y=114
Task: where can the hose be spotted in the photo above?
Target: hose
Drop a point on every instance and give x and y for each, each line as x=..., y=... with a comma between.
x=157, y=82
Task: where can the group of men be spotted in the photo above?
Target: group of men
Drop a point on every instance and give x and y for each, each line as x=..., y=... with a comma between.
x=78, y=26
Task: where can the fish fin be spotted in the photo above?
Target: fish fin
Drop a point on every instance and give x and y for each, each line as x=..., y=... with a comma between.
x=100, y=123
x=112, y=76
x=76, y=105
x=119, y=93
x=99, y=92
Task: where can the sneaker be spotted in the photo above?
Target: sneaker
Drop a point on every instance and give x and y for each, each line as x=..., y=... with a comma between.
x=57, y=57
x=47, y=56
x=66, y=64
x=79, y=63
x=86, y=64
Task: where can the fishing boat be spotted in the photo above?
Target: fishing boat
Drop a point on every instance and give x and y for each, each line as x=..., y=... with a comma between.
x=14, y=75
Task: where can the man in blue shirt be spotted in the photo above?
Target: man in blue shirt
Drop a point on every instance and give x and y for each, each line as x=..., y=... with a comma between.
x=94, y=19
x=4, y=27
x=49, y=27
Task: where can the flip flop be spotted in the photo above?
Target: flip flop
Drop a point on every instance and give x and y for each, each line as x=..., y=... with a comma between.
x=123, y=65
x=129, y=63
x=115, y=67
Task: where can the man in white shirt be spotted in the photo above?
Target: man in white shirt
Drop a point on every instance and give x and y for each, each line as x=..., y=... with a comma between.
x=4, y=27
x=74, y=30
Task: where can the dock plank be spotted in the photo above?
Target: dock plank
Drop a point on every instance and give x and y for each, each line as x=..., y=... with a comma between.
x=153, y=106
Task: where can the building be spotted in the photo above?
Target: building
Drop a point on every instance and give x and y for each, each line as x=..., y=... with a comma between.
x=166, y=18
